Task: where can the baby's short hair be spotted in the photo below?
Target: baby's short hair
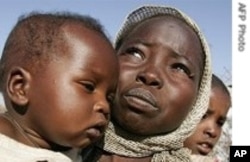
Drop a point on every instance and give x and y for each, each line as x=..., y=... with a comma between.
x=35, y=38
x=218, y=83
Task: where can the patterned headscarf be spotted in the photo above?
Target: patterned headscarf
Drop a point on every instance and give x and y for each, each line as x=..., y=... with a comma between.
x=166, y=147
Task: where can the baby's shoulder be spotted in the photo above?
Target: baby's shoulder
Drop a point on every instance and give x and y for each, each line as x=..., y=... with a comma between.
x=2, y=109
x=6, y=127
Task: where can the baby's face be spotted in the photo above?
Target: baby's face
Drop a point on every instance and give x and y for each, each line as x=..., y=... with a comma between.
x=160, y=69
x=71, y=99
x=209, y=129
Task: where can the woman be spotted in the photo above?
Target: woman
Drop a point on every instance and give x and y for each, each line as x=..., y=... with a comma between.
x=163, y=89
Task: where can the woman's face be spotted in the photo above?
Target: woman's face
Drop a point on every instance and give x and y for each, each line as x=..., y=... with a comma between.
x=160, y=69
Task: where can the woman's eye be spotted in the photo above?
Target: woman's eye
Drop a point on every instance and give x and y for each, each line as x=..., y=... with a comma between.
x=182, y=68
x=134, y=52
x=89, y=86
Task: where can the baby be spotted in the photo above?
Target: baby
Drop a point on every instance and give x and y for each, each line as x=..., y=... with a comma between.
x=58, y=78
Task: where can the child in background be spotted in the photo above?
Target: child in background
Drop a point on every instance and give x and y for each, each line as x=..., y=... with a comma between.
x=58, y=78
x=222, y=148
x=208, y=131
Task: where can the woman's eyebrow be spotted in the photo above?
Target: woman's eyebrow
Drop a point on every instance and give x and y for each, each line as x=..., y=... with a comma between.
x=140, y=41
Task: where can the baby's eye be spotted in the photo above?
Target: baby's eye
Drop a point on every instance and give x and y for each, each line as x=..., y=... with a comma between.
x=90, y=87
x=182, y=68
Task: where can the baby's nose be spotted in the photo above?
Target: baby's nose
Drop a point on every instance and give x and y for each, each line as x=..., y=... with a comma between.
x=102, y=106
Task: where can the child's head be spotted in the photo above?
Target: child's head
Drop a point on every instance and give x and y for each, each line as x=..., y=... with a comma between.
x=58, y=75
x=209, y=129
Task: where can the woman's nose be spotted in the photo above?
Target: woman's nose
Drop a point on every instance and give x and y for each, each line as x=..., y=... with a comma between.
x=150, y=77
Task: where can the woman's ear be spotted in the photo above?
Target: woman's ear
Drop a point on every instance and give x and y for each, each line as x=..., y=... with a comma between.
x=18, y=84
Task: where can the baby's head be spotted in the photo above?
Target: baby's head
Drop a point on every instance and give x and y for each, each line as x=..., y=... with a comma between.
x=58, y=77
x=209, y=129
x=164, y=72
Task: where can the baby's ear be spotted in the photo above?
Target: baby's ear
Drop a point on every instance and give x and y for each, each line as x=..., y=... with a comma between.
x=18, y=84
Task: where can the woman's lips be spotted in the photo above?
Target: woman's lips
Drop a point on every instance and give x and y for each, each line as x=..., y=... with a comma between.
x=141, y=99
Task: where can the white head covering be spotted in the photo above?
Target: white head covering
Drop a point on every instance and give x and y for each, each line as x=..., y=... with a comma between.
x=167, y=147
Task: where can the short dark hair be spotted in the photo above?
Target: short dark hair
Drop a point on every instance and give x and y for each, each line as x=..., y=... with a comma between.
x=218, y=83
x=35, y=36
